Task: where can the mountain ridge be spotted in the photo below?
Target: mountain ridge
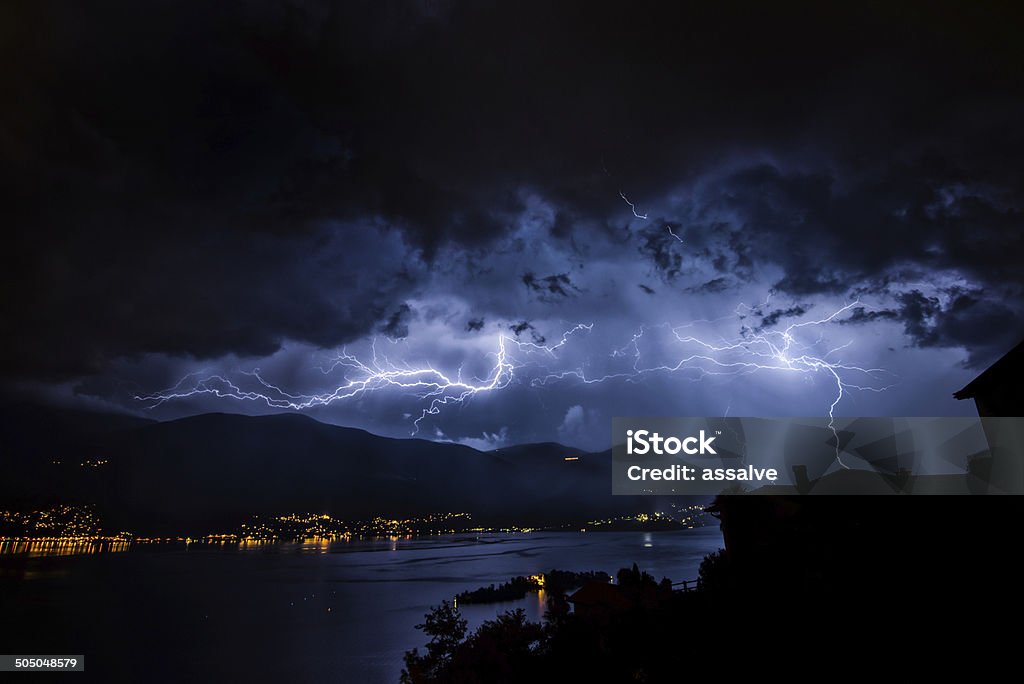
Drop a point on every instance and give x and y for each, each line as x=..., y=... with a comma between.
x=214, y=470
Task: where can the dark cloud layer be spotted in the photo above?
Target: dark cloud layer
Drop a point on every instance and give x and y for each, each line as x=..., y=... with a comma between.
x=964, y=320
x=771, y=319
x=201, y=179
x=396, y=327
x=520, y=329
x=831, y=231
x=555, y=285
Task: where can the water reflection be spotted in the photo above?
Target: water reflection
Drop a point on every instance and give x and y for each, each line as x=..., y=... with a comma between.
x=34, y=548
x=79, y=545
x=312, y=545
x=345, y=615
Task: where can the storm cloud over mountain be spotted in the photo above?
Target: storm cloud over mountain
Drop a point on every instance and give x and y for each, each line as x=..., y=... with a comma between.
x=221, y=187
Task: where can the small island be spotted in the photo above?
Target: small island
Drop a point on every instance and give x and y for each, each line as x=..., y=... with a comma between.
x=555, y=582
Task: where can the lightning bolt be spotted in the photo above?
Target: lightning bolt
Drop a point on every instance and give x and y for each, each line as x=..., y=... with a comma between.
x=753, y=351
x=426, y=383
x=632, y=207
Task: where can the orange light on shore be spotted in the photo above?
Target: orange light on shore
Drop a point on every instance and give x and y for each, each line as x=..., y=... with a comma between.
x=572, y=458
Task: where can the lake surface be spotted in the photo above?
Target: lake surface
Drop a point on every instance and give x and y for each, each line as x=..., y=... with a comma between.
x=341, y=612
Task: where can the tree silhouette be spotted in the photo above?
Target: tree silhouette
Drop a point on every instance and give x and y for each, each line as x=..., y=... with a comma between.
x=446, y=628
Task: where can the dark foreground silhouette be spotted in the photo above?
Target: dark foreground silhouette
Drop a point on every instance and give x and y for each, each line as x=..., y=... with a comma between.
x=826, y=582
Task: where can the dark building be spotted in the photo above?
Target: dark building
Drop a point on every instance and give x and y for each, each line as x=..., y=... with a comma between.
x=995, y=392
x=998, y=399
x=599, y=600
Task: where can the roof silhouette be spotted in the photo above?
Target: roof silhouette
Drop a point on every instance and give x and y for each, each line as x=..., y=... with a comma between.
x=1010, y=365
x=600, y=594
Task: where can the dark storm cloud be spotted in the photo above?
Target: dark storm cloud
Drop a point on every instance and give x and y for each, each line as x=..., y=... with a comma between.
x=474, y=325
x=525, y=326
x=210, y=178
x=955, y=318
x=558, y=284
x=984, y=327
x=770, y=319
x=663, y=250
x=860, y=315
x=397, y=325
x=850, y=233
x=212, y=297
x=719, y=284
x=830, y=232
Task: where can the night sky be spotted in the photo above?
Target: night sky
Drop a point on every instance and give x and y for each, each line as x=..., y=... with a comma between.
x=215, y=188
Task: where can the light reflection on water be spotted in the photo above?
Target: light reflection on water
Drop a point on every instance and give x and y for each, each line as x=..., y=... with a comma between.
x=308, y=611
x=34, y=548
x=317, y=545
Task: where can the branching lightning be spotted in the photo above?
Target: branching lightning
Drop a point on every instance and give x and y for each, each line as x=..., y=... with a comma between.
x=424, y=382
x=794, y=349
x=753, y=351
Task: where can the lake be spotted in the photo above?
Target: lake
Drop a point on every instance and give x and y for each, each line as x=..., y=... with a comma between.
x=342, y=612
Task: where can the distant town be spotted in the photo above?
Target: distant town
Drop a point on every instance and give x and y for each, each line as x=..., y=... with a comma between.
x=78, y=528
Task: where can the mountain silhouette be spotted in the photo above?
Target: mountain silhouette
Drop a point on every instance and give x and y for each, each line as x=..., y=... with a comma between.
x=210, y=472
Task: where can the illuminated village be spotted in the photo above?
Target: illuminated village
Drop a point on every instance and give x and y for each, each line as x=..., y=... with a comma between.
x=65, y=529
